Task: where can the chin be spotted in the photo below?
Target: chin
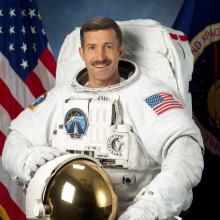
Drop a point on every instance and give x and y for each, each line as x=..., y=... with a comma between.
x=102, y=76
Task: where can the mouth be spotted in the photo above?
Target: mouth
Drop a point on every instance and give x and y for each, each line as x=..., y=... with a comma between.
x=101, y=64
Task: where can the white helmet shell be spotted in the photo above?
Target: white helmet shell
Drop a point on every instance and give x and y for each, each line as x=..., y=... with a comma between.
x=71, y=187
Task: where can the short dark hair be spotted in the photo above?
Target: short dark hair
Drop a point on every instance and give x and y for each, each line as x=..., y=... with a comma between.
x=100, y=23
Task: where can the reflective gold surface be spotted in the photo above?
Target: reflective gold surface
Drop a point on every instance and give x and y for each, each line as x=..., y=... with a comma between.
x=80, y=190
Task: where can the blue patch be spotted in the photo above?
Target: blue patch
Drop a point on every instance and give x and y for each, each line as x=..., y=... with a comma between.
x=39, y=100
x=75, y=122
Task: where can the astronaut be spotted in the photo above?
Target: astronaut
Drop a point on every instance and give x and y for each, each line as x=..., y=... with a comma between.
x=138, y=127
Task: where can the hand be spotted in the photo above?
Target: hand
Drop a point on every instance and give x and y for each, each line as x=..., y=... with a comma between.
x=137, y=211
x=37, y=157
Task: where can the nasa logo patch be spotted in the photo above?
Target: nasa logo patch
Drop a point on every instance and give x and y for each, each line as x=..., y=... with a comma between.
x=75, y=122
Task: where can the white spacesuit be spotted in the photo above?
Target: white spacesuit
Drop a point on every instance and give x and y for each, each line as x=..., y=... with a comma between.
x=140, y=130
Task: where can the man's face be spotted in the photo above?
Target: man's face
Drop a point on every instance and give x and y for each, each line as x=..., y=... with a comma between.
x=101, y=53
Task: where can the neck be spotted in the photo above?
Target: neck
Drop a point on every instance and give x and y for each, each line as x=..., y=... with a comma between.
x=102, y=83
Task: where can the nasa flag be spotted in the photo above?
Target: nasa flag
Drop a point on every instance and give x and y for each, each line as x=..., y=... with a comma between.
x=200, y=20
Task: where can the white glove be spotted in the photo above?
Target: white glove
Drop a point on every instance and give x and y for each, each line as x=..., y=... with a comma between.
x=137, y=211
x=33, y=159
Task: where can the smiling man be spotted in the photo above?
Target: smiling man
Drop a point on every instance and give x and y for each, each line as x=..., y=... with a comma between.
x=101, y=50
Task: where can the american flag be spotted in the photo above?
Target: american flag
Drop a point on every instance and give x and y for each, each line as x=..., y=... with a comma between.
x=162, y=102
x=27, y=70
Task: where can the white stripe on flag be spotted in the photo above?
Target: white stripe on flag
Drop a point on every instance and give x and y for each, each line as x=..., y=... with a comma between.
x=16, y=192
x=17, y=87
x=44, y=75
x=5, y=120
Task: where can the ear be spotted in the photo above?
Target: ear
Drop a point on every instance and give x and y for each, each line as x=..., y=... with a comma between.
x=81, y=53
x=121, y=51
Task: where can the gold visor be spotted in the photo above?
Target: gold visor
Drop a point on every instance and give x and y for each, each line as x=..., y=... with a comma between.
x=78, y=190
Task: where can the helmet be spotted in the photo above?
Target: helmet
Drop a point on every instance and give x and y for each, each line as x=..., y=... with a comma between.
x=76, y=188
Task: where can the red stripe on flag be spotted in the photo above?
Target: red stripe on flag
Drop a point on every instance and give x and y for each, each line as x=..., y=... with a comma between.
x=48, y=60
x=168, y=103
x=13, y=211
x=8, y=101
x=167, y=108
x=2, y=141
x=34, y=84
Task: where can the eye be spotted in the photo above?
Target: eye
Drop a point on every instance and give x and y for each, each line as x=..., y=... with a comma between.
x=109, y=46
x=90, y=47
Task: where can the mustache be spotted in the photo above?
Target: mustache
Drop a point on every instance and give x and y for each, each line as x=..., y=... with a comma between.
x=101, y=62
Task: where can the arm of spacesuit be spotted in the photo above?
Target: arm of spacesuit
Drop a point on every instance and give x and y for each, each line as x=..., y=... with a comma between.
x=170, y=191
x=21, y=159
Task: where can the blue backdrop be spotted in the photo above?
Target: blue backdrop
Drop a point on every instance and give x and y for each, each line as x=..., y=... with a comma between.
x=60, y=17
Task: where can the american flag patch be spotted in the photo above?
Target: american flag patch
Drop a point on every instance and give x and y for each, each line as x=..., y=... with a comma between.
x=162, y=102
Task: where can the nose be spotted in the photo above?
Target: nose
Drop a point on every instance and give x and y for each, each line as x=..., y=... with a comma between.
x=100, y=54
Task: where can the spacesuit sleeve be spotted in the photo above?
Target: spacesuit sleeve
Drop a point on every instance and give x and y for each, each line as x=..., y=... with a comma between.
x=169, y=192
x=173, y=140
x=29, y=131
